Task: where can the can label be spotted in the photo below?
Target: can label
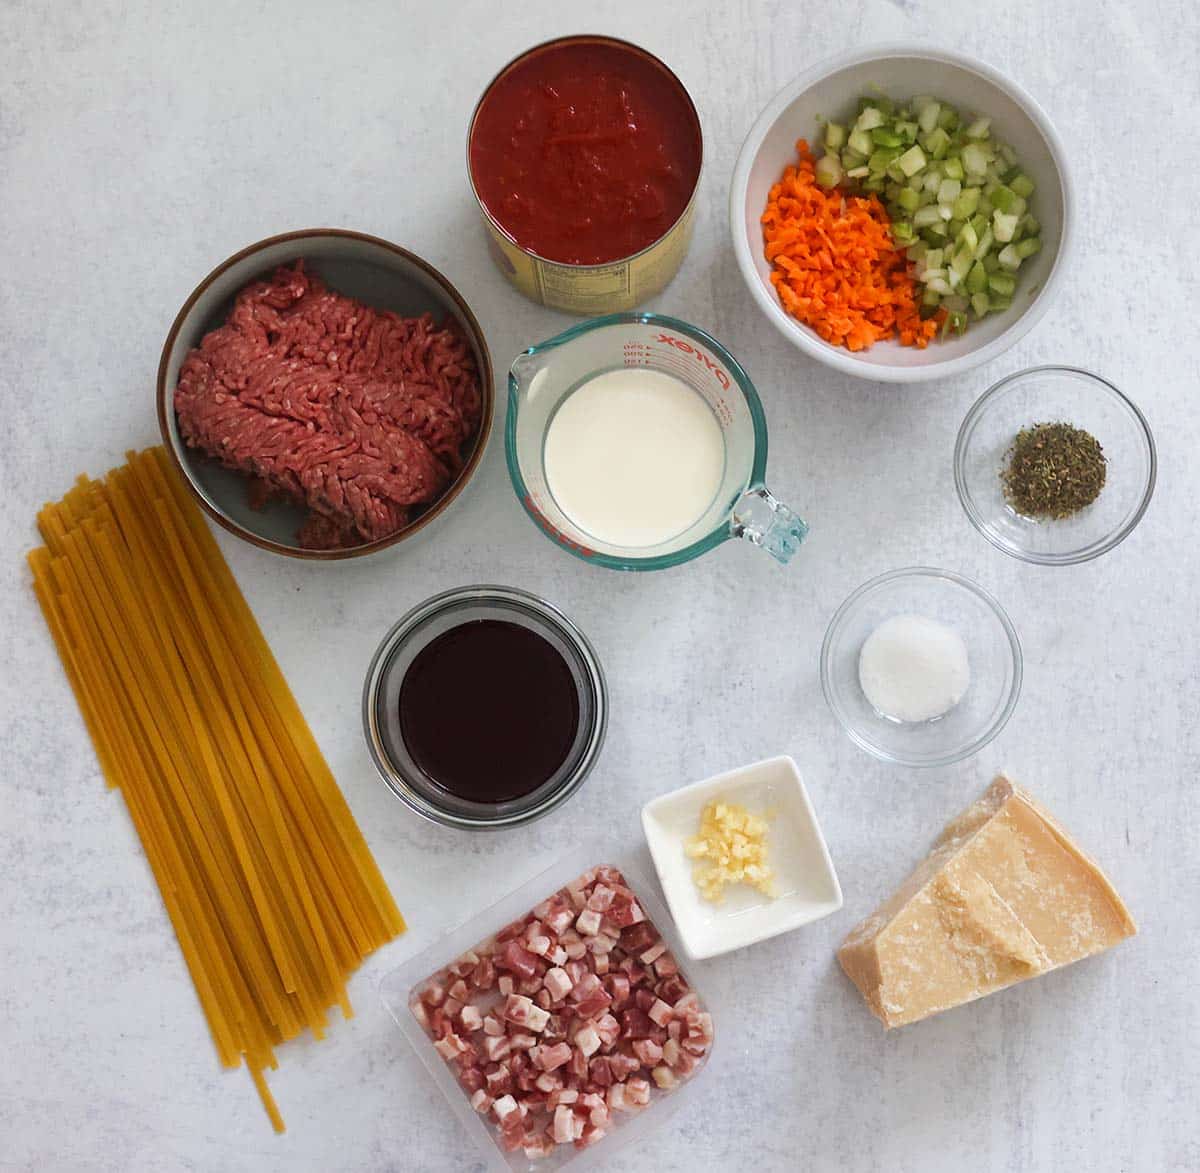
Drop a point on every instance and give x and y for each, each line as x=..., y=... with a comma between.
x=594, y=289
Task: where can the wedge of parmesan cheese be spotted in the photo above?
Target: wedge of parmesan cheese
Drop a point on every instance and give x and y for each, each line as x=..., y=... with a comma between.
x=1005, y=895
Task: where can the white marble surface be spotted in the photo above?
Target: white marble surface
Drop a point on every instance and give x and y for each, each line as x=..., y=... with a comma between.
x=140, y=143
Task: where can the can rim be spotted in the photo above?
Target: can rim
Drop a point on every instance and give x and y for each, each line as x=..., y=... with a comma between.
x=555, y=42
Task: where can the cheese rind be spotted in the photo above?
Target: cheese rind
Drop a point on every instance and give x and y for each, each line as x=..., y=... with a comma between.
x=1004, y=895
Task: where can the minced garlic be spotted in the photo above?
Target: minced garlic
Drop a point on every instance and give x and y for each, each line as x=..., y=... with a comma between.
x=734, y=843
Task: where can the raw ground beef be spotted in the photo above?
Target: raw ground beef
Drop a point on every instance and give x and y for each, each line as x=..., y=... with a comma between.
x=357, y=413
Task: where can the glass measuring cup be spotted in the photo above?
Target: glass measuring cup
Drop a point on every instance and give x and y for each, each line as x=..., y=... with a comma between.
x=543, y=376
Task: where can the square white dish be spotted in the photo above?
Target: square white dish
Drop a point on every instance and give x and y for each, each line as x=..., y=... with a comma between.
x=806, y=883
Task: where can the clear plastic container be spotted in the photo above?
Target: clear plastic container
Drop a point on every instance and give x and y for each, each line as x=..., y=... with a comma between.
x=401, y=985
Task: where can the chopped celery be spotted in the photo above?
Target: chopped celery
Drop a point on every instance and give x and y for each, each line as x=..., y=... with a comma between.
x=1004, y=226
x=936, y=142
x=966, y=203
x=881, y=160
x=1003, y=198
x=957, y=198
x=948, y=191
x=977, y=279
x=1022, y=185
x=927, y=115
x=912, y=161
x=974, y=159
x=860, y=141
x=869, y=118
x=828, y=171
x=1009, y=258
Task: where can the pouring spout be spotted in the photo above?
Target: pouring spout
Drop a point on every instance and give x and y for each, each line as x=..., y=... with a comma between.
x=766, y=522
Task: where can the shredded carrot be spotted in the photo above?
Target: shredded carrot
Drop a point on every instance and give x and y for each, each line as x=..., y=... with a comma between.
x=835, y=266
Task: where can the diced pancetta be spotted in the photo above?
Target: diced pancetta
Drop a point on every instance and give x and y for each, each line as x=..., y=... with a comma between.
x=552, y=1056
x=638, y=937
x=496, y=1047
x=504, y=1107
x=558, y=983
x=648, y=1051
x=635, y=1024
x=588, y=1041
x=564, y=1125
x=652, y=954
x=517, y=960
x=592, y=1013
x=600, y=898
x=637, y=1091
x=664, y=1077
x=660, y=1013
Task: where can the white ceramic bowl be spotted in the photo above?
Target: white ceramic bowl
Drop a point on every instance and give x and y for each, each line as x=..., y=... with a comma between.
x=804, y=877
x=902, y=71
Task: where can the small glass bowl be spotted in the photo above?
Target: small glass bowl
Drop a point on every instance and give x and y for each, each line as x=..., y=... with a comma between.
x=381, y=700
x=1052, y=395
x=993, y=651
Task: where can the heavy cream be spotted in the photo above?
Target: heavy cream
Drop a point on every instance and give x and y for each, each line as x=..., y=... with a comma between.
x=634, y=457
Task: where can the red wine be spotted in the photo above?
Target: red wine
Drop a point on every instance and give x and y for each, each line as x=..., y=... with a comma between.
x=489, y=710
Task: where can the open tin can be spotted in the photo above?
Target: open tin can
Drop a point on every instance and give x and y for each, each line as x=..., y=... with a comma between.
x=622, y=282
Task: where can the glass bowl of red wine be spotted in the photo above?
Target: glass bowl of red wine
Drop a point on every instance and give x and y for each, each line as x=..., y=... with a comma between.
x=484, y=707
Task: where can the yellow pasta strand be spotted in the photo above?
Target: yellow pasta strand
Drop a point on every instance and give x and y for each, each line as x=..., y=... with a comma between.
x=268, y=883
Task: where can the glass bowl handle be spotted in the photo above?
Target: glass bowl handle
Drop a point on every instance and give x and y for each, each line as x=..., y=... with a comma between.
x=761, y=519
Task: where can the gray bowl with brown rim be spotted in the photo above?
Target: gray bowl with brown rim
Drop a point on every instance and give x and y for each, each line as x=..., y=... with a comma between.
x=371, y=270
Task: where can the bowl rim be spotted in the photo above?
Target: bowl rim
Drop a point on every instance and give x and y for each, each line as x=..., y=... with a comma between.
x=975, y=744
x=411, y=622
x=802, y=336
x=1085, y=553
x=487, y=393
